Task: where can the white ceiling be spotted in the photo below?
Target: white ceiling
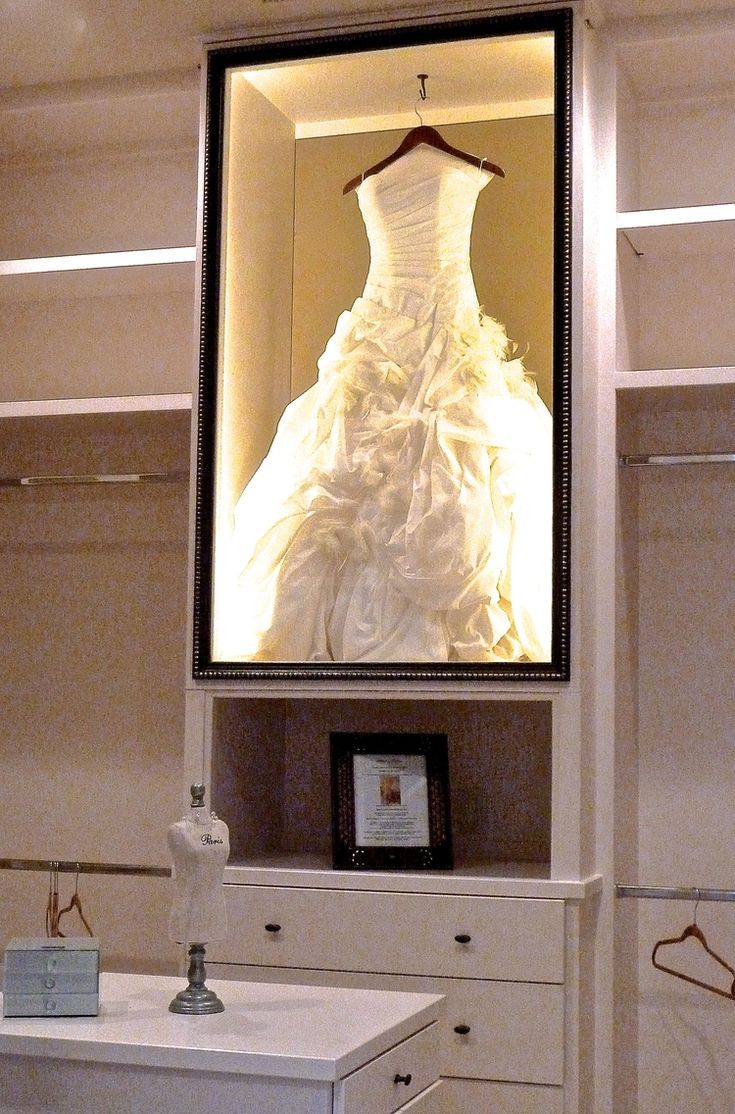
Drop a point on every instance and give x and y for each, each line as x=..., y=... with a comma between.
x=483, y=79
x=50, y=41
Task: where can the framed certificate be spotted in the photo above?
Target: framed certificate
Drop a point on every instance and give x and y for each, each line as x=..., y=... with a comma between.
x=390, y=802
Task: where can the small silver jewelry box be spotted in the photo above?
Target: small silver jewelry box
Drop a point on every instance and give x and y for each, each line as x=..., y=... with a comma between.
x=51, y=977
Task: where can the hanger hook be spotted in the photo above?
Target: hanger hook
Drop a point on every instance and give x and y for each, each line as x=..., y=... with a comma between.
x=696, y=903
x=422, y=95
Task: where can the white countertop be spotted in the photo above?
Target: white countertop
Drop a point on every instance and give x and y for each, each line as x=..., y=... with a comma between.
x=304, y=1032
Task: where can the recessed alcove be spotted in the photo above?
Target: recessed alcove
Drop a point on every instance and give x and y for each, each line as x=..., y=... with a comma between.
x=271, y=777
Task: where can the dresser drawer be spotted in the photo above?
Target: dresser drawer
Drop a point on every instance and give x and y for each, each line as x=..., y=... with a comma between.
x=462, y=937
x=503, y=1030
x=389, y=1081
x=469, y=1096
x=508, y=1031
x=430, y=1101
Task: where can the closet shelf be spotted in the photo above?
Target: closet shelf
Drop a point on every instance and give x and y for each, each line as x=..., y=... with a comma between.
x=644, y=378
x=687, y=214
x=663, y=233
x=106, y=260
x=98, y=274
x=114, y=404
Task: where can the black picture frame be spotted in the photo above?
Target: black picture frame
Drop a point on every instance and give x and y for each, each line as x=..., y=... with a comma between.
x=222, y=61
x=390, y=801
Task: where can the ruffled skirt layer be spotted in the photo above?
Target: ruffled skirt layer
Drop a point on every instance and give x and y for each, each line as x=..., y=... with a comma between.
x=403, y=512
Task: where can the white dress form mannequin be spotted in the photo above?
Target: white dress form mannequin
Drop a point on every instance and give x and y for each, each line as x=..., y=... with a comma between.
x=200, y=846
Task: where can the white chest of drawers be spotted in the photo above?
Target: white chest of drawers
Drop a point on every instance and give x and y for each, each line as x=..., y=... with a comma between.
x=498, y=961
x=307, y=1050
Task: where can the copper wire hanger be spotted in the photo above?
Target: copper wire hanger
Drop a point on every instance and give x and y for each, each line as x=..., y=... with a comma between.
x=52, y=903
x=432, y=138
x=694, y=932
x=75, y=903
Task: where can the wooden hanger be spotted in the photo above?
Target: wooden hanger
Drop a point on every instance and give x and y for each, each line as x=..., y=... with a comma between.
x=430, y=136
x=693, y=931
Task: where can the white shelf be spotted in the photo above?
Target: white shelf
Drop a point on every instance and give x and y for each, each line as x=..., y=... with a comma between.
x=679, y=238
x=145, y=257
x=642, y=379
x=97, y=275
x=121, y=404
x=530, y=880
x=687, y=214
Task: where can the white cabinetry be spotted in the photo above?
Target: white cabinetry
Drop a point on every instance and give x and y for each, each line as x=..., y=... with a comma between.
x=671, y=386
x=308, y=1051
x=491, y=935
x=504, y=935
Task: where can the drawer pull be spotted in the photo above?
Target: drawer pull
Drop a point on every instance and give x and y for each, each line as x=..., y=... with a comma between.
x=463, y=1030
x=462, y=938
x=272, y=928
x=402, y=1079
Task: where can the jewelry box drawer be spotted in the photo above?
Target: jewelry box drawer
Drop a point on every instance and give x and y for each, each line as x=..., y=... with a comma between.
x=462, y=937
x=43, y=956
x=58, y=982
x=389, y=1081
x=50, y=1005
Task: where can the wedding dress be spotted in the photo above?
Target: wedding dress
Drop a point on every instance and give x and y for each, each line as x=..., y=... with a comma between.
x=403, y=511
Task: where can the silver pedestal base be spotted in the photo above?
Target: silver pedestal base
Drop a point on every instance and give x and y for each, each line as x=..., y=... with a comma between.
x=197, y=998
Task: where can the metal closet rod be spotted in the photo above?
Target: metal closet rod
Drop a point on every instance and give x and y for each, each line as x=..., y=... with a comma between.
x=72, y=867
x=94, y=478
x=648, y=460
x=675, y=893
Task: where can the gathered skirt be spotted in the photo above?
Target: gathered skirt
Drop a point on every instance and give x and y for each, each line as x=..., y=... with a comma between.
x=403, y=512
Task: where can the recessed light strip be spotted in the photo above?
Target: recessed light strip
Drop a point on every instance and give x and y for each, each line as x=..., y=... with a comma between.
x=688, y=214
x=147, y=257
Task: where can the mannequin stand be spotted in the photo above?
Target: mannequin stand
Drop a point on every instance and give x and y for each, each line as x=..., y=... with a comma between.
x=197, y=998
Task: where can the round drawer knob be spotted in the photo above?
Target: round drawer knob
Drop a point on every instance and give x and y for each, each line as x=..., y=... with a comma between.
x=463, y=938
x=463, y=1030
x=402, y=1079
x=272, y=927
x=49, y=983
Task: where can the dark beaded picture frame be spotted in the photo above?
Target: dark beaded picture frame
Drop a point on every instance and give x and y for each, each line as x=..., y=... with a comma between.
x=347, y=854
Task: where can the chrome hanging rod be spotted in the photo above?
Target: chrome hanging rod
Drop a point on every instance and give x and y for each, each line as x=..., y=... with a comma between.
x=649, y=460
x=95, y=478
x=69, y=867
x=675, y=893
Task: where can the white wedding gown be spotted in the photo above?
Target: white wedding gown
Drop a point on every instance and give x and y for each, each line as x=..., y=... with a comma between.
x=403, y=511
